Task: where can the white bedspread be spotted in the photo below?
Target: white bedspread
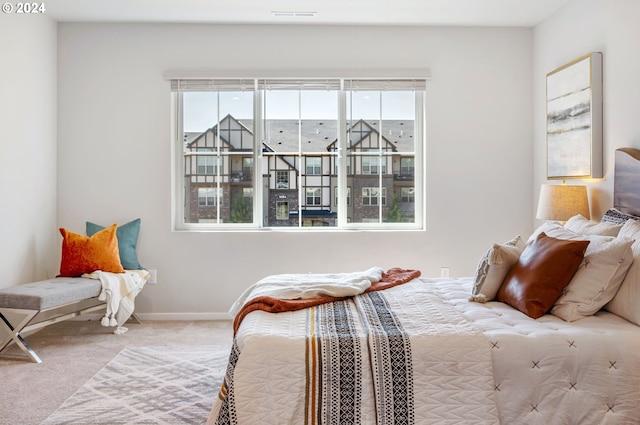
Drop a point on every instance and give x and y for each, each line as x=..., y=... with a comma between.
x=548, y=371
x=464, y=356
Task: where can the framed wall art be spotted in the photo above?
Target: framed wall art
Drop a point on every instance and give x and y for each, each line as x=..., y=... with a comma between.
x=574, y=119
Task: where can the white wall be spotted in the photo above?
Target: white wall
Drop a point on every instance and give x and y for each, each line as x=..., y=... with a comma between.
x=28, y=234
x=581, y=27
x=114, y=147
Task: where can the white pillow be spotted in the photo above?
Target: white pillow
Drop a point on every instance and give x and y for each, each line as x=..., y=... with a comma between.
x=548, y=227
x=583, y=226
x=626, y=302
x=493, y=267
x=598, y=278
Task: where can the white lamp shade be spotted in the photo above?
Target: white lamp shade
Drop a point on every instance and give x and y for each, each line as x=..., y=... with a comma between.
x=561, y=202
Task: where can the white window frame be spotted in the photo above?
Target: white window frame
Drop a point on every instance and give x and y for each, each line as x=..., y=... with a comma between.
x=343, y=222
x=337, y=198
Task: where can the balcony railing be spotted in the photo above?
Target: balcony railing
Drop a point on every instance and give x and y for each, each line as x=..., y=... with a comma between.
x=240, y=176
x=403, y=176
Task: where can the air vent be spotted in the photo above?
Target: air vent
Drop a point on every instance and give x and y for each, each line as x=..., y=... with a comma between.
x=293, y=14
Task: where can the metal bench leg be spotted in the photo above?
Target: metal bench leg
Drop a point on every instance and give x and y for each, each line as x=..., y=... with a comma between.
x=14, y=335
x=134, y=318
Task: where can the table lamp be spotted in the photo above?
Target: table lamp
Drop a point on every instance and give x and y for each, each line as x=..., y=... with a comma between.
x=561, y=202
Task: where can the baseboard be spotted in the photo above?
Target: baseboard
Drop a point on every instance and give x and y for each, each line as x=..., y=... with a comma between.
x=184, y=316
x=164, y=316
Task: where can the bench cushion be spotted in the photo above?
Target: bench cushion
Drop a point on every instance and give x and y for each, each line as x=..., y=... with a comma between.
x=49, y=293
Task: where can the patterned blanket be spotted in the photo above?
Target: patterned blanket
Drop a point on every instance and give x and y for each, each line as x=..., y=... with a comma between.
x=333, y=357
x=398, y=356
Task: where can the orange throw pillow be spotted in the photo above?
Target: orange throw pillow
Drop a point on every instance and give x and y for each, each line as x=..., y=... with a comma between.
x=543, y=270
x=83, y=254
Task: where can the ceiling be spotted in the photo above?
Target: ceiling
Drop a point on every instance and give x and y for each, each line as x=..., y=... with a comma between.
x=526, y=13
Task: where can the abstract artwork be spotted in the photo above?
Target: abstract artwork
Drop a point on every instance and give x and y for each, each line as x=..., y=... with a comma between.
x=574, y=119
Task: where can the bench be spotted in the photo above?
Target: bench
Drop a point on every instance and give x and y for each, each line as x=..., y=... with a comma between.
x=31, y=306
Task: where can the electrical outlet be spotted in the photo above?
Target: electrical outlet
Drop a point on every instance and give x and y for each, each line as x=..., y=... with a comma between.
x=444, y=271
x=154, y=277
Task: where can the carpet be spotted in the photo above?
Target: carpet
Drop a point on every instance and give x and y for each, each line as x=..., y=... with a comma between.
x=149, y=385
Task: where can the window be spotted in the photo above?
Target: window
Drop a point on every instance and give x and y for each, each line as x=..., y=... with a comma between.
x=282, y=180
x=207, y=164
x=371, y=164
x=374, y=196
x=314, y=196
x=282, y=210
x=314, y=166
x=407, y=194
x=286, y=153
x=209, y=196
x=247, y=165
x=406, y=167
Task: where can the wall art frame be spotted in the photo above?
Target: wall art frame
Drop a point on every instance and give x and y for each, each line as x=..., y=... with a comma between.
x=574, y=119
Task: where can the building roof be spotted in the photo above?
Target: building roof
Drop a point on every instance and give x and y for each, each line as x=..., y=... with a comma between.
x=318, y=135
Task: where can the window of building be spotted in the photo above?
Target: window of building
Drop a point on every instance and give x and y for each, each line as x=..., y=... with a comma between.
x=207, y=164
x=209, y=196
x=407, y=194
x=314, y=166
x=373, y=164
x=314, y=196
x=406, y=167
x=282, y=180
x=374, y=196
x=317, y=138
x=282, y=210
x=369, y=165
x=247, y=165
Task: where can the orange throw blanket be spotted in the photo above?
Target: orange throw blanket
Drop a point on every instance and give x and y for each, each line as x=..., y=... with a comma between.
x=391, y=278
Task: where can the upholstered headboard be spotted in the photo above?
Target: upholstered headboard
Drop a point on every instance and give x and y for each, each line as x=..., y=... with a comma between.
x=626, y=195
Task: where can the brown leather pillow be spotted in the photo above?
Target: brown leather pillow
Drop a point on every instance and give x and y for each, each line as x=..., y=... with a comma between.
x=543, y=270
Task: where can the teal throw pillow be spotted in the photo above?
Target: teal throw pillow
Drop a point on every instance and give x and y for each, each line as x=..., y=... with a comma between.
x=127, y=235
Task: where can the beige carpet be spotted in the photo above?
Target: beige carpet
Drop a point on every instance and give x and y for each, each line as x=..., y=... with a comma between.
x=73, y=352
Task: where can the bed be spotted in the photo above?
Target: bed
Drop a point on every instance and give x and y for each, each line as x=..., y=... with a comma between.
x=457, y=351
